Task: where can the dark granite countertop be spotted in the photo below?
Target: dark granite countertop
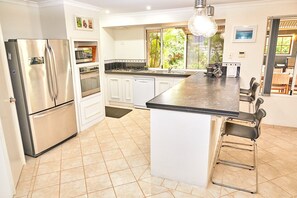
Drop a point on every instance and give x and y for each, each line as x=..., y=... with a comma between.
x=201, y=94
x=173, y=73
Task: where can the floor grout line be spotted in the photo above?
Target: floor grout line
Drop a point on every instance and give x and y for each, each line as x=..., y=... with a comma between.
x=140, y=120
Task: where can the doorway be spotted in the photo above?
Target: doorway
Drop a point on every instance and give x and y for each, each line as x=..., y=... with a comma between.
x=279, y=62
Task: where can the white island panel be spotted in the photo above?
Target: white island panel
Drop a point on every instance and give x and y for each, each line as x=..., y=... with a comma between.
x=182, y=145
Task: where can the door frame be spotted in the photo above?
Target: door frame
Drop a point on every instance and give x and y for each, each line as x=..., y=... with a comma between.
x=3, y=149
x=7, y=188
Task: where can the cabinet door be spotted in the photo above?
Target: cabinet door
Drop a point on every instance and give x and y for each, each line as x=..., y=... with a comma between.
x=177, y=80
x=114, y=88
x=163, y=85
x=127, y=84
x=91, y=111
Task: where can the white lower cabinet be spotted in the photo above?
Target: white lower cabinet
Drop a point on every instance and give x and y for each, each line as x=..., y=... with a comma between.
x=114, y=89
x=91, y=111
x=127, y=89
x=120, y=88
x=165, y=83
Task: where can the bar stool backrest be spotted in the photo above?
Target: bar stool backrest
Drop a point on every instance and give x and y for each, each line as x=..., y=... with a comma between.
x=258, y=103
x=254, y=90
x=261, y=113
x=252, y=82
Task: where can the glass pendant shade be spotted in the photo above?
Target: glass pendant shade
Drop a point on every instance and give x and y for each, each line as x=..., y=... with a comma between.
x=211, y=29
x=202, y=23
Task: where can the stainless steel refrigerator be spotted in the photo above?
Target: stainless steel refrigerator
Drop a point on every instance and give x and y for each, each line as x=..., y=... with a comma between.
x=42, y=82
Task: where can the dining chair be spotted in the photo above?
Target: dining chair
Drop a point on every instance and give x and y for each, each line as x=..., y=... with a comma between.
x=280, y=83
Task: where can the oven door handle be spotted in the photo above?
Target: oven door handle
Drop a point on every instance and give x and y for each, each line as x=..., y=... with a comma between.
x=89, y=75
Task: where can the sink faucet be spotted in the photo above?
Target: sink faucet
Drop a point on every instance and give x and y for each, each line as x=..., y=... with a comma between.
x=169, y=69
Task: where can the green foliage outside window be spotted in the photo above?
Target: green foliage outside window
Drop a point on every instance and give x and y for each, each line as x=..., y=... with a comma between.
x=154, y=48
x=283, y=45
x=176, y=44
x=197, y=54
x=203, y=51
x=216, y=49
x=173, y=48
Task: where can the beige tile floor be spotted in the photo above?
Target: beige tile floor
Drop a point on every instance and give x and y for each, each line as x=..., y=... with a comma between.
x=112, y=159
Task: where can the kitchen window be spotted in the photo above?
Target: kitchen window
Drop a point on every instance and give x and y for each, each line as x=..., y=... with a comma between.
x=176, y=47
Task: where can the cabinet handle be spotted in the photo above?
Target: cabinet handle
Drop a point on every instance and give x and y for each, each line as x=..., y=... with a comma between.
x=143, y=81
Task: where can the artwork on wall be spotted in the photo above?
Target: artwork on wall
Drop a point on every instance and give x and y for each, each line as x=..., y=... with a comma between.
x=83, y=23
x=245, y=34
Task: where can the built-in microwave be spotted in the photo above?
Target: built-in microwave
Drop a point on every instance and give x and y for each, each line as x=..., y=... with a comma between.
x=84, y=54
x=89, y=80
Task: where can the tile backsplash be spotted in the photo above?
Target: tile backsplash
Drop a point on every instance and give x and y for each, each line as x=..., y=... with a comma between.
x=125, y=64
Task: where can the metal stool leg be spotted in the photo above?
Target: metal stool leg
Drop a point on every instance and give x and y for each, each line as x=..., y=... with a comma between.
x=256, y=163
x=218, y=149
x=253, y=107
x=238, y=165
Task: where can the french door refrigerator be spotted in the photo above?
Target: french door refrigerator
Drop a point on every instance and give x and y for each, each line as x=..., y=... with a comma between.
x=42, y=82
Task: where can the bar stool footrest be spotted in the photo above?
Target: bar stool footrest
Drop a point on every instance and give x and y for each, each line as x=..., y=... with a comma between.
x=233, y=187
x=228, y=142
x=236, y=164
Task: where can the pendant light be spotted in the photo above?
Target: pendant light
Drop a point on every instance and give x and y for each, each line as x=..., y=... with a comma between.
x=202, y=22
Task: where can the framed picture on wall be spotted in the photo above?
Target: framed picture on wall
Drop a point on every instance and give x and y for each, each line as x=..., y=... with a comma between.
x=83, y=23
x=245, y=34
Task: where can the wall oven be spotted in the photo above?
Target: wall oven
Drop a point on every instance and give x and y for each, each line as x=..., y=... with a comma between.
x=89, y=80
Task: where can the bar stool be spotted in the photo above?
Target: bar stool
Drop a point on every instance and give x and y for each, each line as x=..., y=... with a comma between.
x=248, y=117
x=250, y=98
x=243, y=131
x=248, y=91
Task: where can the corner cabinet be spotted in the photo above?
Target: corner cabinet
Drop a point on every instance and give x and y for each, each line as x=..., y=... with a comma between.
x=120, y=89
x=88, y=85
x=164, y=83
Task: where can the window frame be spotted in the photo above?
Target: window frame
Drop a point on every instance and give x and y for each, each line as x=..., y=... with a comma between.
x=281, y=35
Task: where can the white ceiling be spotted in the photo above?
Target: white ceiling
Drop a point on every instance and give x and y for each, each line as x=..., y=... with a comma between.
x=123, y=6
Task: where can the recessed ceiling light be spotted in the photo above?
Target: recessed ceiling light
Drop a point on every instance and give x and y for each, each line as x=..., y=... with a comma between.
x=148, y=7
x=107, y=11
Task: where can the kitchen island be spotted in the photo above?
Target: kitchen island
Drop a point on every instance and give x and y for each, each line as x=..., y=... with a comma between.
x=185, y=125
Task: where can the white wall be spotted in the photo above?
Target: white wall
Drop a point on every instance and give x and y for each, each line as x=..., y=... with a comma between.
x=70, y=13
x=53, y=22
x=108, y=44
x=129, y=43
x=123, y=42
x=20, y=20
x=280, y=110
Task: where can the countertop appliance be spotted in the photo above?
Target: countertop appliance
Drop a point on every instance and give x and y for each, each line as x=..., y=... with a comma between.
x=42, y=83
x=143, y=91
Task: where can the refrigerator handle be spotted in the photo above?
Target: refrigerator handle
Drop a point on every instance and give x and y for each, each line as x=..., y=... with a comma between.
x=49, y=72
x=53, y=66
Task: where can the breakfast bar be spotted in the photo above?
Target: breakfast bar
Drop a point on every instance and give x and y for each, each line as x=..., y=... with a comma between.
x=185, y=125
